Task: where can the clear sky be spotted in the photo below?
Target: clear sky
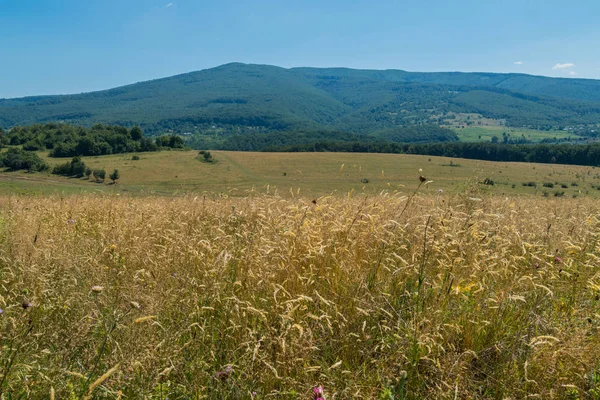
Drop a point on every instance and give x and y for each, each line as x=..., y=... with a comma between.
x=73, y=46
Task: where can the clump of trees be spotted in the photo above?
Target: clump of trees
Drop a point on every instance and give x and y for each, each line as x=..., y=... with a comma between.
x=99, y=175
x=170, y=141
x=76, y=167
x=65, y=140
x=15, y=159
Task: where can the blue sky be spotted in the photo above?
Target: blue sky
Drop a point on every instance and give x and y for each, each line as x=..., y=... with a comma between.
x=73, y=46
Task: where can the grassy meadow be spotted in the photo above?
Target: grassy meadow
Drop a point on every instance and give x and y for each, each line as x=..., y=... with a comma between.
x=485, y=133
x=389, y=296
x=305, y=174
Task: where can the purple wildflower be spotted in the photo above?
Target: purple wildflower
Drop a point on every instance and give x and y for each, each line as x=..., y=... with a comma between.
x=224, y=375
x=71, y=221
x=1, y=311
x=26, y=305
x=318, y=392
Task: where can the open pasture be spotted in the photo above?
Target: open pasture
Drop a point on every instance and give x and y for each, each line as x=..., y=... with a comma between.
x=309, y=174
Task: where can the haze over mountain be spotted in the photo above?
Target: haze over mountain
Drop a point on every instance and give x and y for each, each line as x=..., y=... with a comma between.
x=259, y=98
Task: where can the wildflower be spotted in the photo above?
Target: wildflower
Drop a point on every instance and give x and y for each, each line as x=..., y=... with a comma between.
x=1, y=311
x=440, y=191
x=71, y=221
x=97, y=289
x=223, y=375
x=422, y=179
x=318, y=392
x=26, y=305
x=557, y=260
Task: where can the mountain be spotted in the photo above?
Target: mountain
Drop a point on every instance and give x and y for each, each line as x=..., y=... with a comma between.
x=261, y=98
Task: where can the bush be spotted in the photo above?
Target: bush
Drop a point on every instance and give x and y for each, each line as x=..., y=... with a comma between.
x=559, y=194
x=365, y=180
x=18, y=159
x=114, y=176
x=99, y=175
x=488, y=181
x=530, y=184
x=548, y=184
x=135, y=157
x=206, y=155
x=564, y=185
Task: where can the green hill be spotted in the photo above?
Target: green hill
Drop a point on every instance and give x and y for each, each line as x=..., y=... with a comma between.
x=241, y=98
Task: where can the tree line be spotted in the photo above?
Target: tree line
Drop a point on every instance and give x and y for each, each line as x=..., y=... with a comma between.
x=64, y=140
x=575, y=154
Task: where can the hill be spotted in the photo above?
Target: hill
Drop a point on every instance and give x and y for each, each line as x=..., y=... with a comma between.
x=241, y=98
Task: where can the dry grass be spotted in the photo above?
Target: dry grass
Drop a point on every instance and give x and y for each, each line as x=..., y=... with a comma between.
x=372, y=297
x=310, y=174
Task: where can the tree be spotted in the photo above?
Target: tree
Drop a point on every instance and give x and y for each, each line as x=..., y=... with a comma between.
x=136, y=133
x=87, y=172
x=494, y=139
x=114, y=176
x=4, y=140
x=77, y=167
x=176, y=142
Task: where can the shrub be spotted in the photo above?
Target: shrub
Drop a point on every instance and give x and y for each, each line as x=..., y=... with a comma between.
x=114, y=176
x=206, y=156
x=530, y=184
x=559, y=194
x=488, y=181
x=548, y=184
x=135, y=157
x=99, y=175
x=365, y=180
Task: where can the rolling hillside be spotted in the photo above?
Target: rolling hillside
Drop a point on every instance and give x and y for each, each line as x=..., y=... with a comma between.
x=240, y=98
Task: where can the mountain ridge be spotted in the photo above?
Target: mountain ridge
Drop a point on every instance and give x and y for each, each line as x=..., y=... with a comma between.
x=246, y=98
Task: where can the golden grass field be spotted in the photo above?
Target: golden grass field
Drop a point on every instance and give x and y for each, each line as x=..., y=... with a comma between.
x=396, y=295
x=307, y=174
